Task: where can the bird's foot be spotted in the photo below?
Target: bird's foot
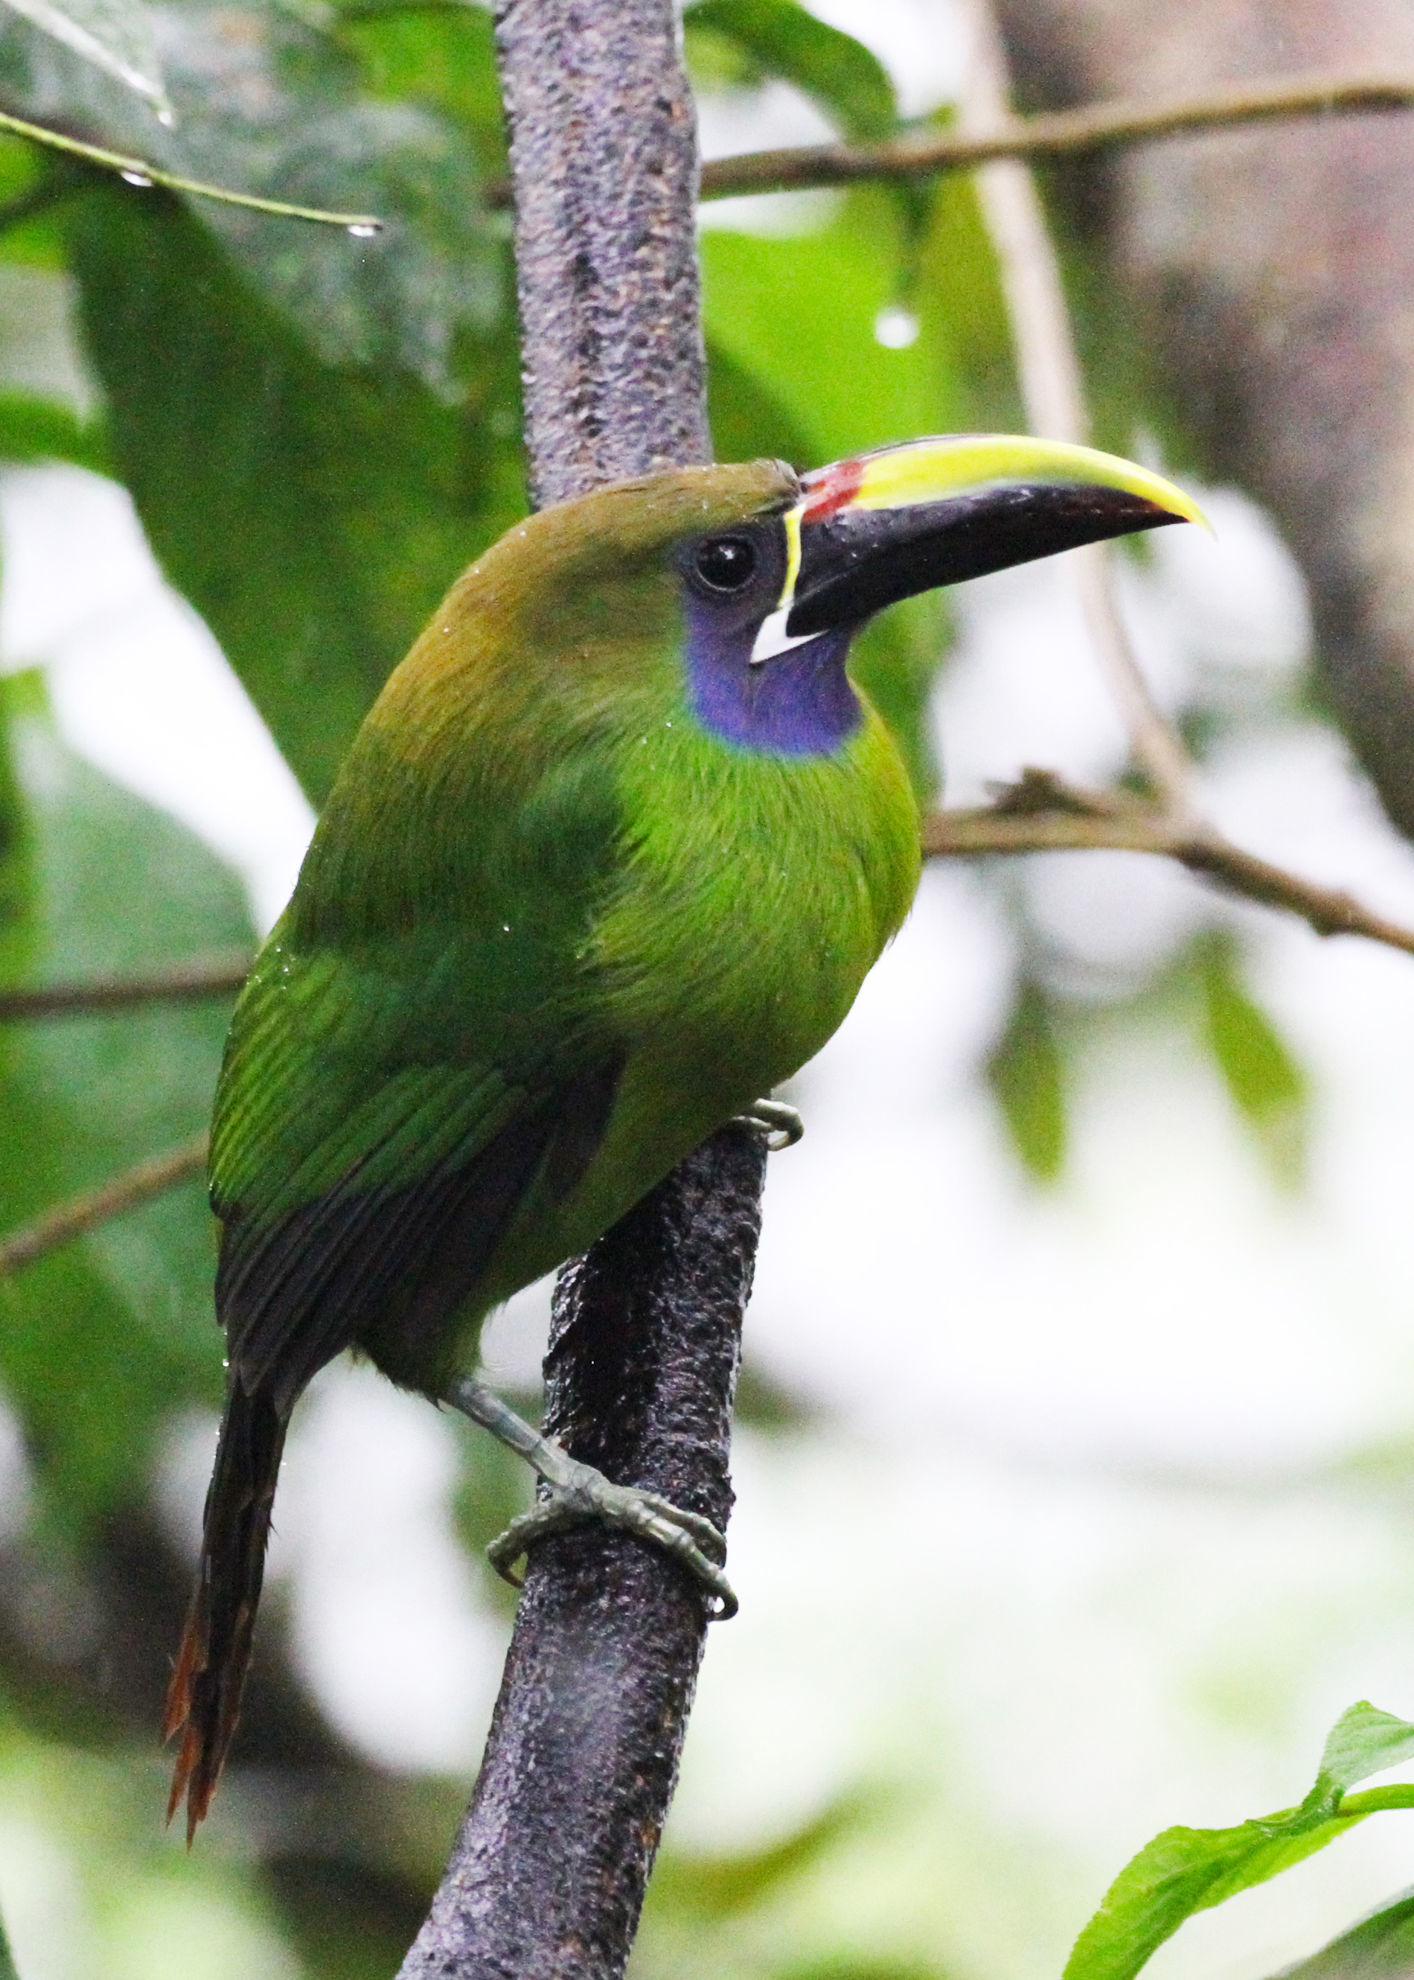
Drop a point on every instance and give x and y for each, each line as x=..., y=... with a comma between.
x=580, y=1496
x=589, y=1498
x=781, y=1125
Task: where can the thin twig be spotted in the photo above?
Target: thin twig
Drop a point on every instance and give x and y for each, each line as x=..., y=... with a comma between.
x=1053, y=392
x=1044, y=813
x=142, y=172
x=1056, y=133
x=96, y=1206
x=215, y=976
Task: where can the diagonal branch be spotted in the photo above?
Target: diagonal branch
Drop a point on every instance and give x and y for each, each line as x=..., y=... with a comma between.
x=1044, y=813
x=1057, y=133
x=97, y=1206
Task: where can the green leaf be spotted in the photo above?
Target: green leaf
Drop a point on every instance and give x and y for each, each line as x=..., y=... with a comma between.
x=1188, y=1870
x=800, y=314
x=275, y=109
x=313, y=516
x=34, y=429
x=103, y=1337
x=1363, y=1741
x=1380, y=1947
x=717, y=1886
x=1267, y=1086
x=1027, y=1076
x=442, y=57
x=115, y=34
x=7, y=1963
x=747, y=419
x=781, y=38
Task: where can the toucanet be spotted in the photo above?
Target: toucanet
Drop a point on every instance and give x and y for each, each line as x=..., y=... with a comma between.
x=608, y=860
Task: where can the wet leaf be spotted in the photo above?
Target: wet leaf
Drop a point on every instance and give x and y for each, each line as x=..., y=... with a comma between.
x=115, y=34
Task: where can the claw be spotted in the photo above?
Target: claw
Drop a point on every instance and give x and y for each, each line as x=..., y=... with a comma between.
x=781, y=1125
x=588, y=1497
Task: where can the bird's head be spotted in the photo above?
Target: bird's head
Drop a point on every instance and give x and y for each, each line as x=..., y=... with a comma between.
x=758, y=578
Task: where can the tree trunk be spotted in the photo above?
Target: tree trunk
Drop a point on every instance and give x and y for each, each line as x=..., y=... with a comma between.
x=547, y=1877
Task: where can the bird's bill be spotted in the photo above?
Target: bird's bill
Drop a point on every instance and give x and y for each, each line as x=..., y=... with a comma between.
x=882, y=526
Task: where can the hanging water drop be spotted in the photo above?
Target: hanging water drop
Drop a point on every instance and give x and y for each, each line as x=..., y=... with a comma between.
x=895, y=327
x=136, y=178
x=364, y=230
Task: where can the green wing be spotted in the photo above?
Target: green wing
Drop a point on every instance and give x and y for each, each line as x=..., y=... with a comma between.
x=394, y=1096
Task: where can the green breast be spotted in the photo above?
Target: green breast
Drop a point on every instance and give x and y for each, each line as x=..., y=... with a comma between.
x=756, y=894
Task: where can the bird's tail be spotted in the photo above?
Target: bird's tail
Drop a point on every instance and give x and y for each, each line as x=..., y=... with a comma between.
x=204, y=1696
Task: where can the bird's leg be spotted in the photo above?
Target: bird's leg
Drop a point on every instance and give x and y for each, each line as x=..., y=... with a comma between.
x=580, y=1495
x=781, y=1125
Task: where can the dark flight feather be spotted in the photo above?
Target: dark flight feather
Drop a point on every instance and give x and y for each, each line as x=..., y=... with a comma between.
x=292, y=1295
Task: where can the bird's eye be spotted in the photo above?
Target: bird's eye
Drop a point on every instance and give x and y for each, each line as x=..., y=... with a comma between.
x=725, y=563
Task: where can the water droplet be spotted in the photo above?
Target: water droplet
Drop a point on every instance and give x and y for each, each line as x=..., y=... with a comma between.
x=364, y=230
x=137, y=178
x=505, y=928
x=167, y=118
x=895, y=327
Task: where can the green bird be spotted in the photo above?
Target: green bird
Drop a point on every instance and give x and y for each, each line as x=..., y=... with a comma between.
x=608, y=860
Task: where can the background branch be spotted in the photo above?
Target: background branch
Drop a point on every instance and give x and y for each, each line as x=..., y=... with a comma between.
x=1057, y=133
x=1044, y=813
x=548, y=1873
x=1053, y=393
x=96, y=1206
x=212, y=976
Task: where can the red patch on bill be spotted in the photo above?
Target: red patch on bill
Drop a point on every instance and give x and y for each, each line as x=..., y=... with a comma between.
x=829, y=489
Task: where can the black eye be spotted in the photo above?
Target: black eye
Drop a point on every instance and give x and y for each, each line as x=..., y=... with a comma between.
x=725, y=563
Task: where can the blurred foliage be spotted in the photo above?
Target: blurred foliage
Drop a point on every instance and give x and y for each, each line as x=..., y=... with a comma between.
x=116, y=34
x=1264, y=1081
x=108, y=886
x=318, y=433
x=1026, y=1072
x=1380, y=1947
x=779, y=39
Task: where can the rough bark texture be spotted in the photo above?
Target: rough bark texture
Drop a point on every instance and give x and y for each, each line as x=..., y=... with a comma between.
x=547, y=1877
x=548, y=1874
x=604, y=163
x=1276, y=270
